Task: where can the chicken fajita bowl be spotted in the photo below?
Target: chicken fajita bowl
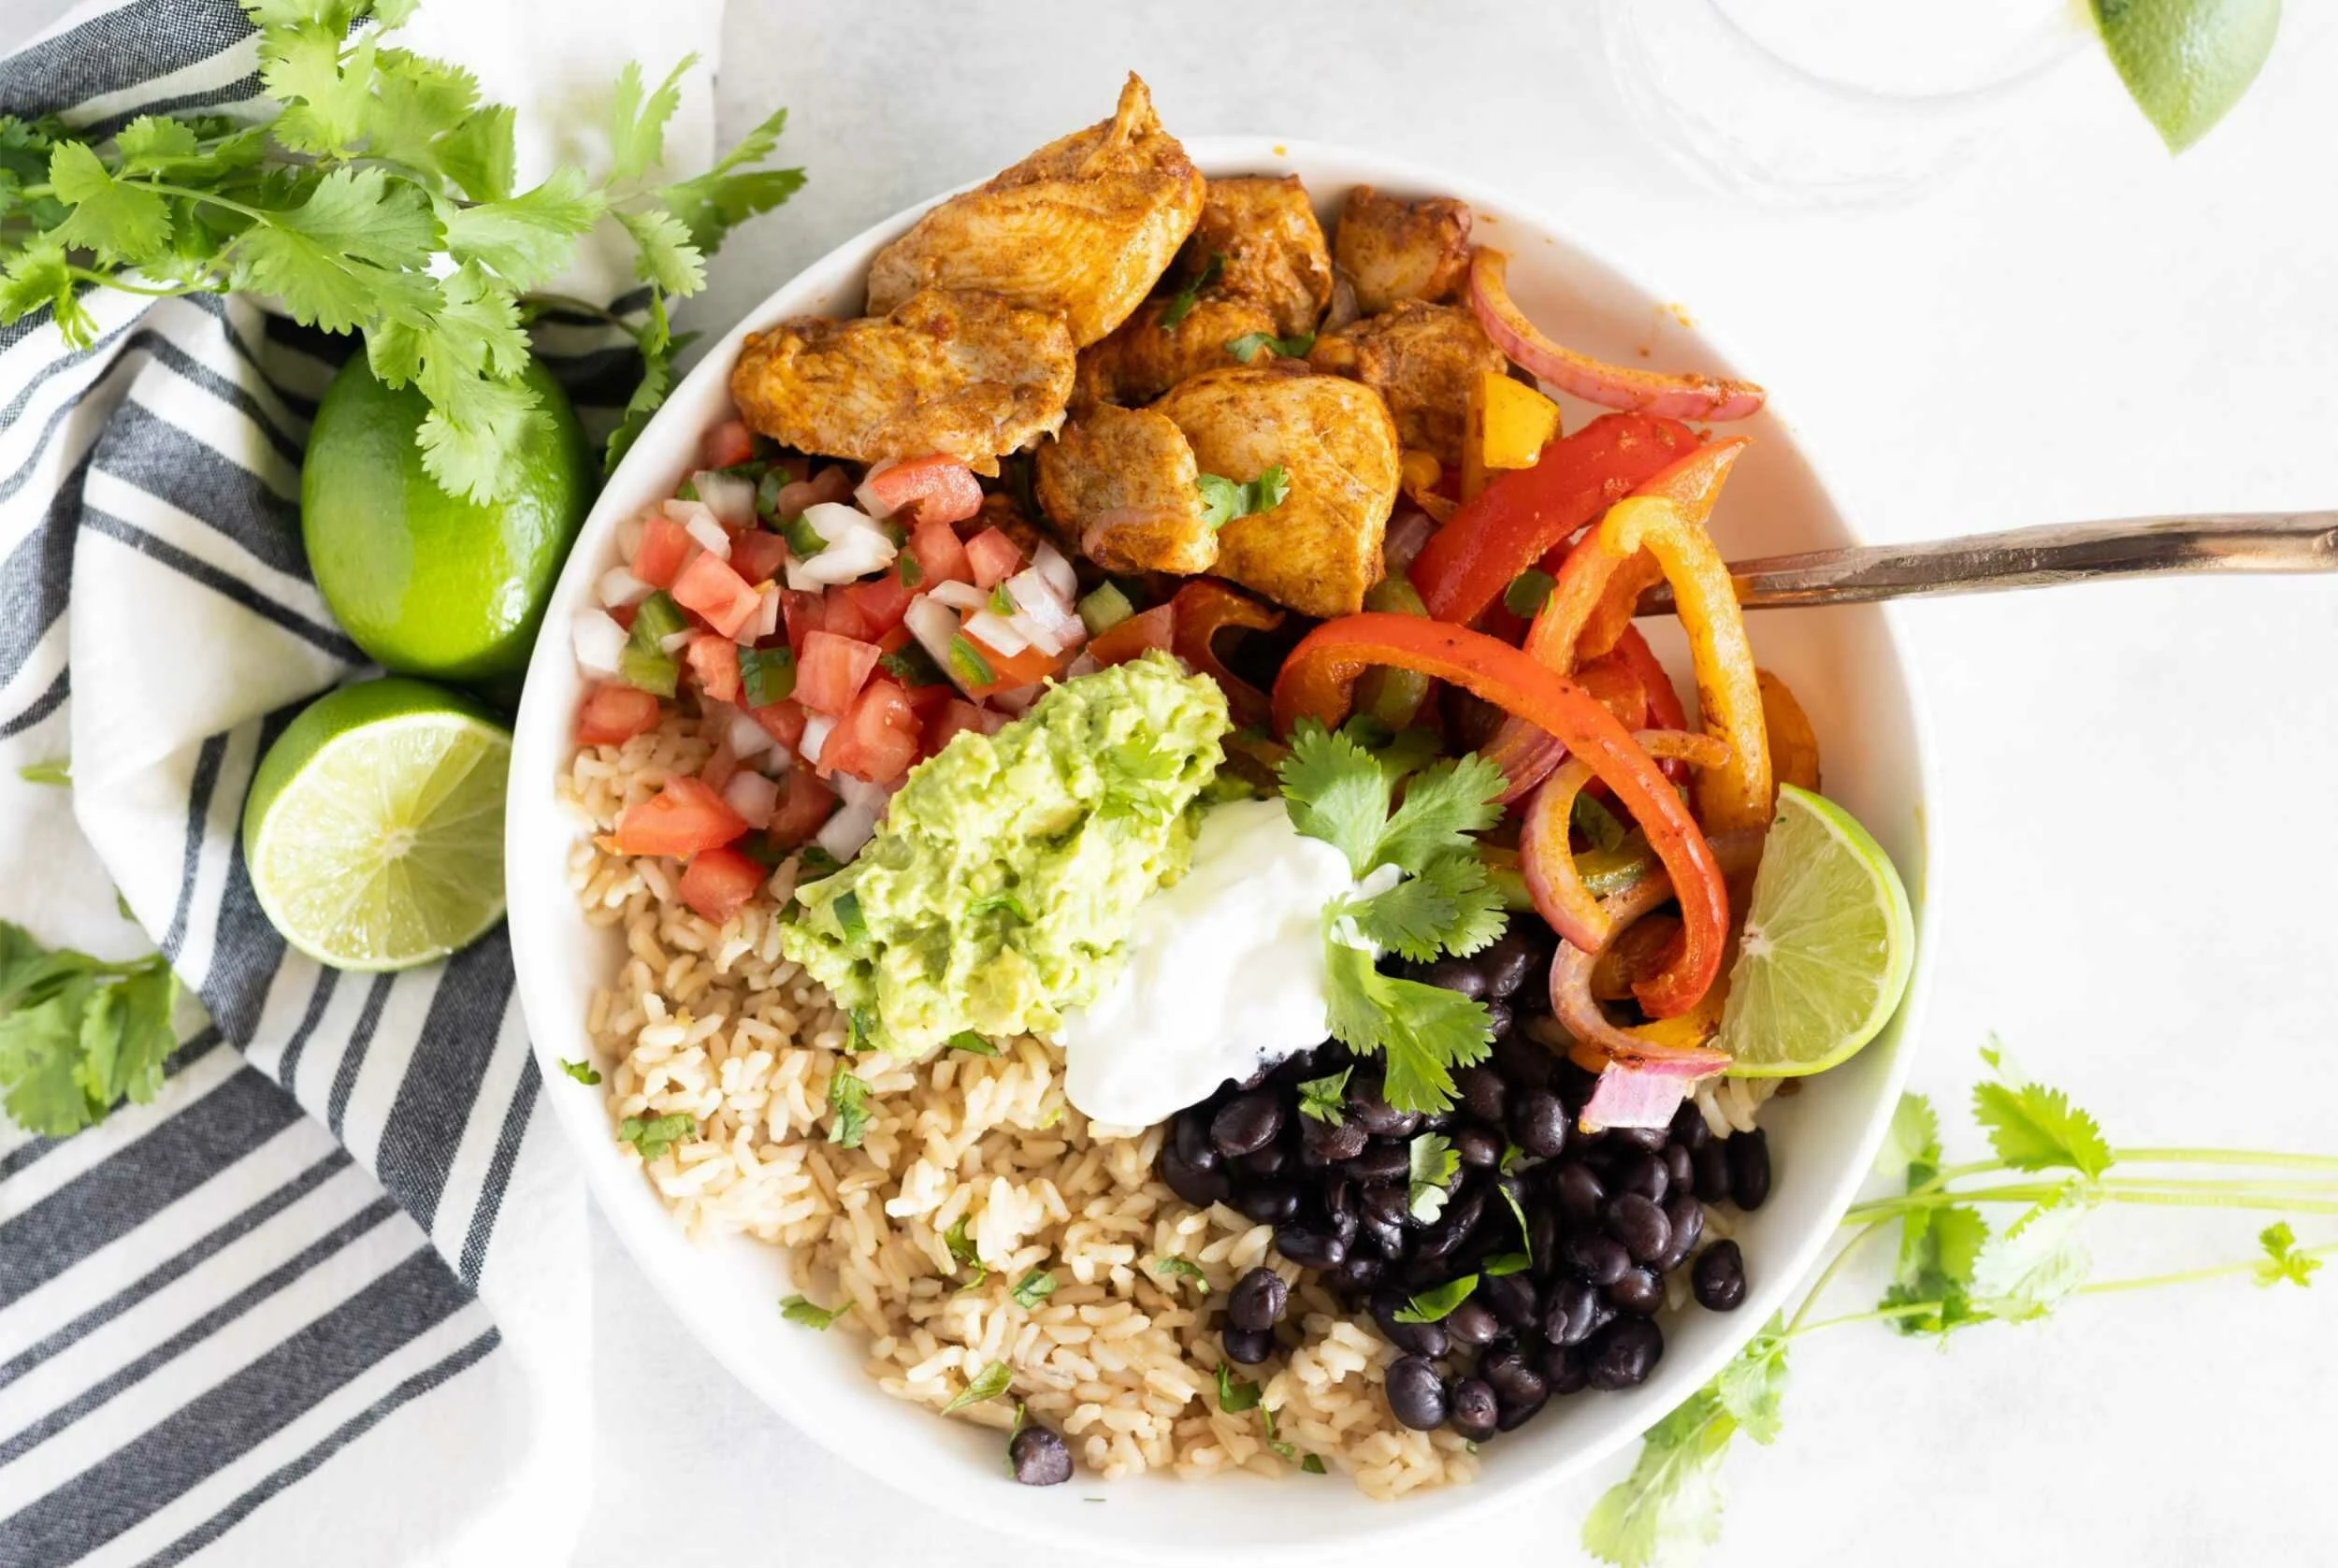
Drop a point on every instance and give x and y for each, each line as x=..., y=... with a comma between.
x=1098, y=848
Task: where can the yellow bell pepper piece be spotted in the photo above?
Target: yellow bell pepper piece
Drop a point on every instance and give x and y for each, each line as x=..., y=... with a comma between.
x=1509, y=424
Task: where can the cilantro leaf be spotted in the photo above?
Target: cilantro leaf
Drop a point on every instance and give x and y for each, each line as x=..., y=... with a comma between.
x=1226, y=499
x=1451, y=907
x=1670, y=1506
x=1235, y=1394
x=1434, y=1164
x=2282, y=1259
x=795, y=1309
x=1503, y=1263
x=2034, y=1127
x=1443, y=807
x=2035, y=1262
x=848, y=1097
x=1911, y=1146
x=1525, y=1235
x=119, y=220
x=637, y=122
x=1423, y=1033
x=1033, y=1288
x=1335, y=792
x=57, y=773
x=655, y=1135
x=1325, y=1099
x=968, y=1041
x=710, y=205
x=77, y=1033
x=1182, y=302
x=41, y=276
x=668, y=258
x=1180, y=1268
x=527, y=239
x=1312, y=1464
x=1246, y=348
x=1751, y=1385
x=1432, y=1306
x=583, y=1072
x=988, y=1384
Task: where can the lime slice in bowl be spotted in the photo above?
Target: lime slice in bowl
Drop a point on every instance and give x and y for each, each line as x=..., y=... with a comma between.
x=1829, y=943
x=374, y=828
x=2188, y=62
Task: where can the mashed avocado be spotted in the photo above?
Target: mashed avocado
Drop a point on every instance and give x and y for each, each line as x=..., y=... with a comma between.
x=1008, y=873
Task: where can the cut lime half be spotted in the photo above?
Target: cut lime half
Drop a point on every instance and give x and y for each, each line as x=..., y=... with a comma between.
x=374, y=828
x=1828, y=943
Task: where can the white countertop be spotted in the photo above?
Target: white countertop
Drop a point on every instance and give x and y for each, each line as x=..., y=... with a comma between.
x=2139, y=798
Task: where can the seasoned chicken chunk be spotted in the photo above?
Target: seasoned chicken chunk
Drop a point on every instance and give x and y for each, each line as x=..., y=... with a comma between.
x=1394, y=250
x=1121, y=482
x=1422, y=360
x=1270, y=248
x=964, y=374
x=1083, y=226
x=1320, y=550
x=1143, y=359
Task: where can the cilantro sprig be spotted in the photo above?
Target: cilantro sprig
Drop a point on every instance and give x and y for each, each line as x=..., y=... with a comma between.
x=378, y=199
x=79, y=1034
x=1224, y=499
x=1953, y=1271
x=1438, y=900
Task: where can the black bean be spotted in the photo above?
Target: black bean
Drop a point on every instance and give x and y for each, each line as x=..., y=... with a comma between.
x=1388, y=1240
x=1713, y=1171
x=1321, y=1143
x=1642, y=1140
x=1416, y=1394
x=1648, y=1176
x=1474, y=1409
x=1346, y=1224
x=1379, y=1117
x=1247, y=1346
x=1414, y=1339
x=1517, y=1415
x=1542, y=1242
x=1580, y=1191
x=1339, y=1194
x=1039, y=1457
x=1593, y=1258
x=1538, y=1123
x=1718, y=1277
x=1384, y=1203
x=1640, y=1291
x=1256, y=1300
x=1514, y=1381
x=1452, y=1226
x=1689, y=1130
x=1268, y=1203
x=1625, y=1352
x=1358, y=1274
x=1267, y=1162
x=1196, y=1185
x=1563, y=1370
x=1457, y=975
x=1573, y=1084
x=1310, y=1249
x=1576, y=1312
x=1509, y=964
x=1483, y=1094
x=1749, y=1169
x=1686, y=1217
x=1679, y=1170
x=1522, y=1062
x=1499, y=1018
x=1247, y=1121
x=1511, y=1297
x=1190, y=1136
x=1384, y=1160
x=1640, y=1226
x=1473, y=1323
x=1479, y=1146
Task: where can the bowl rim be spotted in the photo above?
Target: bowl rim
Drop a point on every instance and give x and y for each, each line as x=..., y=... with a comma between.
x=812, y=290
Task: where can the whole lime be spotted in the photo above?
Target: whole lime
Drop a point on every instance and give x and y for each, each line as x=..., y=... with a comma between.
x=426, y=582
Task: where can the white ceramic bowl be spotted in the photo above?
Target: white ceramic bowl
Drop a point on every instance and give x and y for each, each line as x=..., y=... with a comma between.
x=1849, y=665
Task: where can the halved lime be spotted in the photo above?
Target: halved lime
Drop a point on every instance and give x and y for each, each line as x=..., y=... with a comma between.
x=2186, y=62
x=1829, y=943
x=374, y=828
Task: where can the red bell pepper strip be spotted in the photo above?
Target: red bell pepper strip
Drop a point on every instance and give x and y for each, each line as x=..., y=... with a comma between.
x=1547, y=862
x=1317, y=682
x=1205, y=609
x=1527, y=512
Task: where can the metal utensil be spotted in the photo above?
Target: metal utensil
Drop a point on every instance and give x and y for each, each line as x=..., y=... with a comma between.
x=2273, y=541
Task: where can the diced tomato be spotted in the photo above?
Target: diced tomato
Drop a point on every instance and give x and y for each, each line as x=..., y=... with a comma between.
x=624, y=614
x=941, y=489
x=757, y=556
x=801, y=810
x=956, y=714
x=926, y=701
x=878, y=740
x=941, y=554
x=715, y=664
x=684, y=817
x=1118, y=644
x=894, y=640
x=1006, y=673
x=804, y=614
x=726, y=446
x=666, y=544
x=719, y=768
x=992, y=558
x=782, y=721
x=709, y=589
x=717, y=880
x=880, y=600
x=831, y=670
x=614, y=713
x=842, y=616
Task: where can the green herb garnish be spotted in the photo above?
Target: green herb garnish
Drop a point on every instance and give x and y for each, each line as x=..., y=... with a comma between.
x=583, y=1072
x=1180, y=1268
x=655, y=1135
x=1434, y=1164
x=1235, y=1394
x=77, y=1033
x=766, y=675
x=795, y=1309
x=912, y=666
x=1182, y=302
x=1246, y=348
x=848, y=1097
x=1432, y=1306
x=962, y=1250
x=1505, y=1263
x=988, y=1384
x=849, y=919
x=59, y=773
x=972, y=1044
x=1224, y=499
x=1324, y=1099
x=1033, y=1288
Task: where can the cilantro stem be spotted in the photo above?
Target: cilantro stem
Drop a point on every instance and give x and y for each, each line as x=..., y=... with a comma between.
x=2149, y=1194
x=108, y=281
x=2226, y=1157
x=257, y=214
x=579, y=307
x=1834, y=1266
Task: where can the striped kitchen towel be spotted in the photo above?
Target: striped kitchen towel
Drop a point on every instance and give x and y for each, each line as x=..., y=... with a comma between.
x=324, y=1299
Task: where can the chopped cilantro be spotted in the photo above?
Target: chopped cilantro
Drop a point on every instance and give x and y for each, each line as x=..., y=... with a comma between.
x=1432, y=1306
x=848, y=1097
x=1435, y=1162
x=1033, y=1288
x=77, y=1033
x=797, y=1310
x=1235, y=1394
x=1525, y=1237
x=1324, y=1097
x=962, y=1250
x=583, y=1072
x=1505, y=1263
x=988, y=1384
x=1179, y=1268
x=912, y=666
x=1312, y=1464
x=1182, y=302
x=766, y=675
x=972, y=1044
x=655, y=1135
x=1224, y=499
x=847, y=912
x=1246, y=348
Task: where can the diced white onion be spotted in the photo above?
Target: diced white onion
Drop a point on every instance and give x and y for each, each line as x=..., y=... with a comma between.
x=599, y=642
x=843, y=834
x=1036, y=597
x=783, y=884
x=1048, y=562
x=765, y=621
x=674, y=642
x=996, y=632
x=860, y=794
x=959, y=596
x=619, y=586
x=871, y=502
x=629, y=535
x=747, y=738
x=729, y=496
x=752, y=796
x=709, y=534
x=856, y=547
x=1036, y=635
x=816, y=732
x=933, y=624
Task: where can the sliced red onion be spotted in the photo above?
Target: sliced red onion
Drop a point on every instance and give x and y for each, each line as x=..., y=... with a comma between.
x=959, y=596
x=1646, y=1095
x=1049, y=563
x=815, y=732
x=933, y=624
x=1406, y=533
x=752, y=796
x=619, y=586
x=729, y=496
x=996, y=632
x=599, y=642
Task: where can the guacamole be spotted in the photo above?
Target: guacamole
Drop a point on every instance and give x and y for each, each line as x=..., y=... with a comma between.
x=1009, y=869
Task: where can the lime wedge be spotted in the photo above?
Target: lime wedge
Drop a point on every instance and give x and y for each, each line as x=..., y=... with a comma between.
x=1827, y=944
x=374, y=828
x=2186, y=62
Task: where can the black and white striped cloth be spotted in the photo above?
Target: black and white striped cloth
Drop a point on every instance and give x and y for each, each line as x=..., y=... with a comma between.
x=326, y=1298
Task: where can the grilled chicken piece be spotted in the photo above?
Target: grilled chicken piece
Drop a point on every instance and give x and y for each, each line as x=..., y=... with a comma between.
x=1083, y=225
x=1394, y=250
x=1422, y=360
x=1121, y=482
x=1320, y=550
x=964, y=374
x=1142, y=359
x=1273, y=249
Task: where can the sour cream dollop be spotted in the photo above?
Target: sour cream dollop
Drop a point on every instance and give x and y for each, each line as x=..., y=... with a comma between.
x=1224, y=973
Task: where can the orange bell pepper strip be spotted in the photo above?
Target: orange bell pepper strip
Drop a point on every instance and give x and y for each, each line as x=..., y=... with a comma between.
x=1317, y=682
x=1546, y=862
x=1205, y=609
x=1523, y=514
